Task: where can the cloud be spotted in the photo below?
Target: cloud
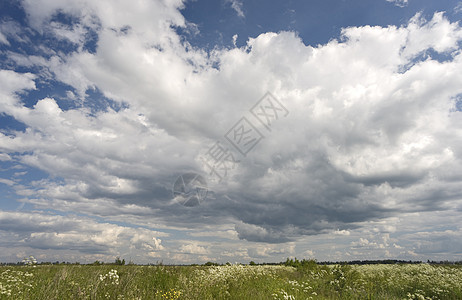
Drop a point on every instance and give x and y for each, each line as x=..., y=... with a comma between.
x=224, y=234
x=341, y=232
x=7, y=181
x=370, y=133
x=193, y=249
x=11, y=30
x=42, y=232
x=3, y=39
x=287, y=250
x=458, y=7
x=400, y=3
x=4, y=157
x=355, y=162
x=256, y=233
x=431, y=243
x=237, y=6
x=13, y=82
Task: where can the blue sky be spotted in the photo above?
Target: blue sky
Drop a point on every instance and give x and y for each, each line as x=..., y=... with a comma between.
x=351, y=110
x=316, y=22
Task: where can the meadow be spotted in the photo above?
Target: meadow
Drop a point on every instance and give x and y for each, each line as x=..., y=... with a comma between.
x=303, y=281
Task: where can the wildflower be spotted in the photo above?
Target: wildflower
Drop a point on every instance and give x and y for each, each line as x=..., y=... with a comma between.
x=111, y=276
x=30, y=261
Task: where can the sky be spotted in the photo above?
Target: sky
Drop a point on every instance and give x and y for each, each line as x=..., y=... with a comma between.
x=182, y=131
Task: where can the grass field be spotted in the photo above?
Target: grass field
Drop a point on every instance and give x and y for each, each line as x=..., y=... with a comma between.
x=307, y=281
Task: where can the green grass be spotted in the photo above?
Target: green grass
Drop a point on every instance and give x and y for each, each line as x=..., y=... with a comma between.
x=309, y=281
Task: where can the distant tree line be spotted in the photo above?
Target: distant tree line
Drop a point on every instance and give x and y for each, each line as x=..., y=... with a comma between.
x=296, y=263
x=293, y=262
